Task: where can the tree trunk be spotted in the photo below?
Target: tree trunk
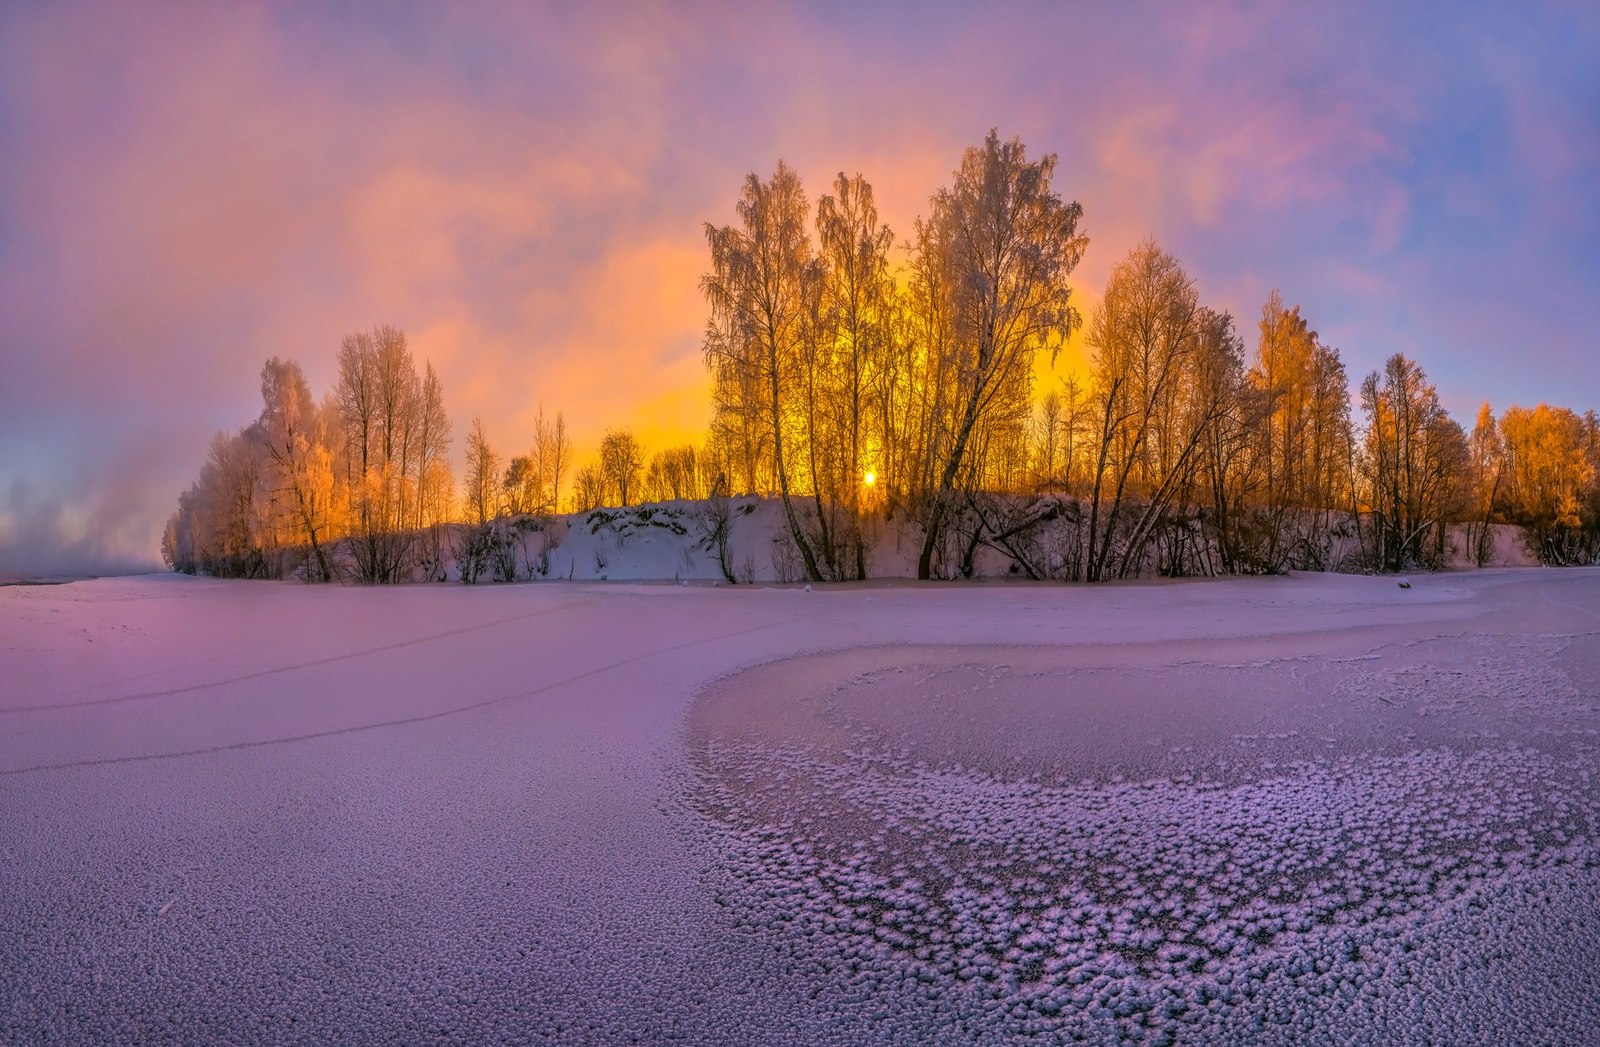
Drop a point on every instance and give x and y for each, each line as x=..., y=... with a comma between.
x=812, y=574
x=947, y=484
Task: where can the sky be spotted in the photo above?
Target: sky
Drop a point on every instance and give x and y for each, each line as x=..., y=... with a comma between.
x=189, y=189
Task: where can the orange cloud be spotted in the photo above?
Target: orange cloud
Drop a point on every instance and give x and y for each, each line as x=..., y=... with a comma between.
x=189, y=190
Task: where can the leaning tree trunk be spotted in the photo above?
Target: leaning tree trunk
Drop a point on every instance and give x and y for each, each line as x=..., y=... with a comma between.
x=812, y=574
x=946, y=486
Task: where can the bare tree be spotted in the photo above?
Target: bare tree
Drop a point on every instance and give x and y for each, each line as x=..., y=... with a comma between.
x=1008, y=243
x=551, y=459
x=621, y=462
x=483, y=466
x=224, y=503
x=1048, y=432
x=432, y=442
x=1228, y=436
x=520, y=486
x=854, y=343
x=435, y=483
x=298, y=467
x=385, y=411
x=1488, y=470
x=1077, y=425
x=674, y=474
x=1415, y=465
x=560, y=459
x=761, y=274
x=1147, y=326
x=588, y=488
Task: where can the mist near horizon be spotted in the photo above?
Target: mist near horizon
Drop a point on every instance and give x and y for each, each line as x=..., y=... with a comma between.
x=188, y=193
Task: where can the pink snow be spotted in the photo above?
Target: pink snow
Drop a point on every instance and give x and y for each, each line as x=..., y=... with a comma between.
x=880, y=813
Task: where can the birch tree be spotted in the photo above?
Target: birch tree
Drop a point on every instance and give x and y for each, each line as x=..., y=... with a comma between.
x=298, y=466
x=1008, y=243
x=857, y=290
x=483, y=466
x=1147, y=325
x=761, y=274
x=1415, y=464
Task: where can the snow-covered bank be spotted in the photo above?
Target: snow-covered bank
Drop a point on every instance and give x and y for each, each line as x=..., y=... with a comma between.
x=675, y=541
x=1284, y=809
x=747, y=540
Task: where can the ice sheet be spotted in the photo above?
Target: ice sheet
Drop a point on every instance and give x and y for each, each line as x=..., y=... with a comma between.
x=1296, y=809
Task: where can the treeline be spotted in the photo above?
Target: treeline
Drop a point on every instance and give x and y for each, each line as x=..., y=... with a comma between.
x=846, y=384
x=356, y=484
x=359, y=485
x=862, y=383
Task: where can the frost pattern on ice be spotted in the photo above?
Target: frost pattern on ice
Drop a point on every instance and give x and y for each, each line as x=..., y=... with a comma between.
x=1293, y=894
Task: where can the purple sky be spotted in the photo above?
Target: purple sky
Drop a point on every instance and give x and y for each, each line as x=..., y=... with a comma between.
x=187, y=190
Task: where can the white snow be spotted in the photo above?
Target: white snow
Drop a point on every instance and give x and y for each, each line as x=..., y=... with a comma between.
x=671, y=541
x=1305, y=809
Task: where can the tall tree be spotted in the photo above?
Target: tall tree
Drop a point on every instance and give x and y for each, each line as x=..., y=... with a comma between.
x=1488, y=470
x=857, y=289
x=1551, y=479
x=298, y=466
x=483, y=466
x=1048, y=433
x=621, y=462
x=1227, y=439
x=382, y=404
x=1305, y=439
x=762, y=272
x=1148, y=327
x=225, y=497
x=588, y=488
x=551, y=460
x=560, y=458
x=1006, y=244
x=1415, y=463
x=674, y=474
x=432, y=444
x=520, y=485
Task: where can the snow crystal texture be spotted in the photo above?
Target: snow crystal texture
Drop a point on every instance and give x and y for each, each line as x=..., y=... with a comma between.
x=1305, y=810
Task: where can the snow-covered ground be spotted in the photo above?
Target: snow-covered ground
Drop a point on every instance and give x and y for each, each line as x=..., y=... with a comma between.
x=1289, y=810
x=668, y=541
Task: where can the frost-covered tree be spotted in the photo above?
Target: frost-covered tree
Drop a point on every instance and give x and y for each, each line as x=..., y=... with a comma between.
x=298, y=466
x=432, y=451
x=223, y=504
x=761, y=289
x=391, y=430
x=1414, y=465
x=853, y=344
x=1305, y=438
x=1487, y=465
x=1551, y=481
x=483, y=466
x=1147, y=326
x=997, y=251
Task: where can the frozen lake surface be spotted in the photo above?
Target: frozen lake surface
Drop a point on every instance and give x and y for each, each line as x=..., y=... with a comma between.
x=1289, y=810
